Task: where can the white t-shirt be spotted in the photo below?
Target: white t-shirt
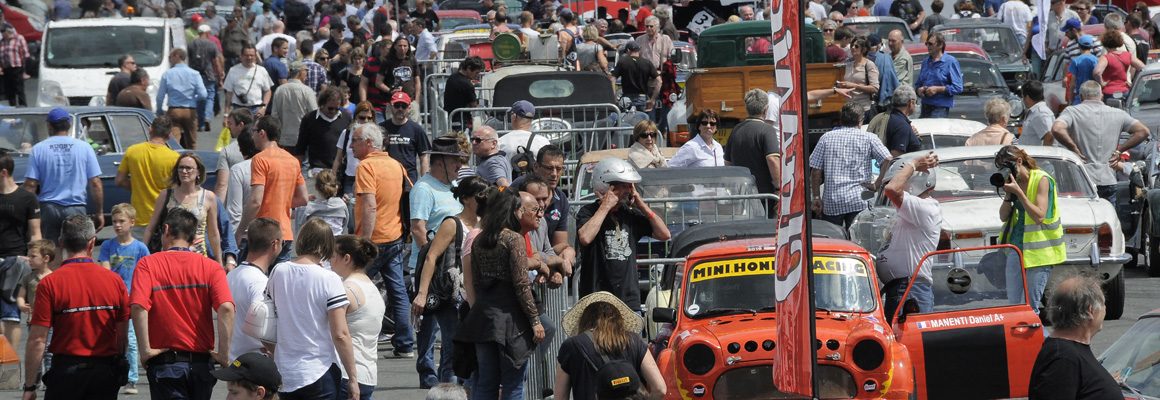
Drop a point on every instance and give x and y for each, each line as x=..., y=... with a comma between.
x=818, y=10
x=1016, y=15
x=303, y=295
x=252, y=82
x=238, y=192
x=914, y=234
x=364, y=325
x=351, y=162
x=247, y=285
x=267, y=42
x=513, y=140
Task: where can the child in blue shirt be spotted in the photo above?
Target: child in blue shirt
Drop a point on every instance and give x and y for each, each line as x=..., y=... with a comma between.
x=120, y=255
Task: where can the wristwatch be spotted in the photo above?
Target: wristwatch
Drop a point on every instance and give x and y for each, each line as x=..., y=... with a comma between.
x=31, y=388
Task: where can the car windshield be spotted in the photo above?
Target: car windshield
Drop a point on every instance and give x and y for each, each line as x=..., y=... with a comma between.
x=981, y=75
x=941, y=141
x=87, y=47
x=971, y=179
x=959, y=55
x=882, y=28
x=1133, y=359
x=450, y=23
x=745, y=285
x=999, y=42
x=664, y=184
x=18, y=133
x=1146, y=93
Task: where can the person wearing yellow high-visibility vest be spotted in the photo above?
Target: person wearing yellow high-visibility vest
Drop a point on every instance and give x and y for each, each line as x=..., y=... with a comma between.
x=1030, y=222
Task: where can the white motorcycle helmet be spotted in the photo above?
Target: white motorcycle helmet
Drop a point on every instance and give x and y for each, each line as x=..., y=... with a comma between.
x=611, y=170
x=919, y=182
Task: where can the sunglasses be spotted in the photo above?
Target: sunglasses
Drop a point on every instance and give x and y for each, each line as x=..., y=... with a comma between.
x=827, y=30
x=708, y=123
x=649, y=135
x=478, y=140
x=400, y=105
x=332, y=109
x=364, y=119
x=536, y=210
x=1079, y=8
x=931, y=44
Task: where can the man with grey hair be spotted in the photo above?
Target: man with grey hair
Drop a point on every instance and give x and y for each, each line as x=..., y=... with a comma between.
x=88, y=308
x=754, y=143
x=900, y=137
x=1092, y=130
x=1066, y=366
x=290, y=103
x=447, y=391
x=654, y=46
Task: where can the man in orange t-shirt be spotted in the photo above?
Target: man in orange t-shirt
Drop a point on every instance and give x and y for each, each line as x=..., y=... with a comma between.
x=378, y=182
x=276, y=184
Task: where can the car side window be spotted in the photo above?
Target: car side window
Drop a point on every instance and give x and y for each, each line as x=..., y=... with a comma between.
x=130, y=130
x=95, y=129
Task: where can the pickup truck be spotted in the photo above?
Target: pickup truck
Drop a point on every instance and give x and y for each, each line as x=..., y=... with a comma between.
x=735, y=58
x=111, y=130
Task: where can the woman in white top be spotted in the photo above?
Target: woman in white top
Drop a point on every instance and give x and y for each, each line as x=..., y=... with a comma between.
x=364, y=315
x=702, y=150
x=313, y=335
x=470, y=192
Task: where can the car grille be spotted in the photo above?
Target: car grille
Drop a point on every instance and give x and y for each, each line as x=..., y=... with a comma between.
x=79, y=101
x=755, y=383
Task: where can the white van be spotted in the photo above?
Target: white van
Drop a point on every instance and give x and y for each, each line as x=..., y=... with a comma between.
x=78, y=57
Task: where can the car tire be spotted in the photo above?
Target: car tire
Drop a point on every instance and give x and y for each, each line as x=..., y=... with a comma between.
x=1153, y=257
x=1135, y=260
x=1114, y=293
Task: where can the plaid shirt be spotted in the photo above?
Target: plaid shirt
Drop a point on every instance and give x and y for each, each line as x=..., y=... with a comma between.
x=13, y=51
x=844, y=155
x=315, y=75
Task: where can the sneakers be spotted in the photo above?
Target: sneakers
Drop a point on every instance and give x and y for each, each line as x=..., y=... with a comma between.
x=384, y=338
x=131, y=388
x=395, y=354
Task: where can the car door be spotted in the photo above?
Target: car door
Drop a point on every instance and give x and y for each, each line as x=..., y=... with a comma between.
x=97, y=129
x=973, y=334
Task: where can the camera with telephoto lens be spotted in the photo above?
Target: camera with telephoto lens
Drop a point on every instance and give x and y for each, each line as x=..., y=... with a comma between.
x=1006, y=170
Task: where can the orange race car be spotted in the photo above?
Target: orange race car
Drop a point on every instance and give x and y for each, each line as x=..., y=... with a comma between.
x=717, y=327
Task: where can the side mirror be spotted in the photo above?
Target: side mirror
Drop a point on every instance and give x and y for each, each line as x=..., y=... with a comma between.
x=1114, y=103
x=676, y=56
x=664, y=315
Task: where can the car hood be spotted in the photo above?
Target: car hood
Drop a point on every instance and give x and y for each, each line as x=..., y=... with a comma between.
x=743, y=328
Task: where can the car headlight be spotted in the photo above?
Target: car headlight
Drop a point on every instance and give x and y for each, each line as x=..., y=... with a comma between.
x=699, y=359
x=1021, y=76
x=51, y=94
x=868, y=354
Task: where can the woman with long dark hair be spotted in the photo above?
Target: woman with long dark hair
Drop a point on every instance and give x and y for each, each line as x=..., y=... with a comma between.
x=399, y=72
x=599, y=326
x=503, y=303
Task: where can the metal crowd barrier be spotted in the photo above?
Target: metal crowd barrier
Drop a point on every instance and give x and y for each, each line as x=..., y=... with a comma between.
x=432, y=116
x=577, y=129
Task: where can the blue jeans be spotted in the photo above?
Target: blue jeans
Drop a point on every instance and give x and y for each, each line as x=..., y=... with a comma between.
x=495, y=370
x=929, y=111
x=1036, y=281
x=9, y=312
x=205, y=106
x=895, y=289
x=52, y=215
x=445, y=322
x=1108, y=192
x=841, y=220
x=390, y=265
x=181, y=380
x=131, y=354
x=364, y=391
x=325, y=388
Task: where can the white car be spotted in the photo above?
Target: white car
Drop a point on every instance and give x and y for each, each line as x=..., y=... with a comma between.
x=943, y=132
x=970, y=208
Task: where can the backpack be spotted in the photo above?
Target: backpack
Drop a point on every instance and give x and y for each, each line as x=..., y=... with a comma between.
x=201, y=57
x=524, y=159
x=443, y=287
x=612, y=374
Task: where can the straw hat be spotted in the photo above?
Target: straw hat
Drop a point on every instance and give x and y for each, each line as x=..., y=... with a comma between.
x=571, y=323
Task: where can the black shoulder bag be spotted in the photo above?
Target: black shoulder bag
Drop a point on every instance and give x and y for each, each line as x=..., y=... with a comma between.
x=155, y=239
x=441, y=291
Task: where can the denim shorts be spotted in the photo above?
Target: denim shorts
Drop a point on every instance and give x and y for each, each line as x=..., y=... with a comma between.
x=9, y=312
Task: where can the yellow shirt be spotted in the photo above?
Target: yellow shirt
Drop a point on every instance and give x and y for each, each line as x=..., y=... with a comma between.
x=149, y=167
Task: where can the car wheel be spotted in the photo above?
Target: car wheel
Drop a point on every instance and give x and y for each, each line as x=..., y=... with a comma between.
x=1114, y=293
x=1135, y=260
x=1153, y=257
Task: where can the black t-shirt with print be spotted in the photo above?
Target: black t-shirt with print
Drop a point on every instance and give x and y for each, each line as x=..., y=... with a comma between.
x=609, y=263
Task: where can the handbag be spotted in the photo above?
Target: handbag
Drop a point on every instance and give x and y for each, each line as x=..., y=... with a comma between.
x=442, y=288
x=262, y=320
x=159, y=229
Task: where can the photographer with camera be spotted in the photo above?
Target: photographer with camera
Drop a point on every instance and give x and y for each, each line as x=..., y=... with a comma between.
x=1092, y=130
x=1030, y=218
x=915, y=233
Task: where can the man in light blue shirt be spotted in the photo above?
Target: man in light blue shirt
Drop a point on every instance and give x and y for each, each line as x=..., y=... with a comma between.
x=184, y=87
x=58, y=169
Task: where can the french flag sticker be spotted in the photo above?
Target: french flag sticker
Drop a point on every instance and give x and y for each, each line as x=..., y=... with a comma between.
x=922, y=325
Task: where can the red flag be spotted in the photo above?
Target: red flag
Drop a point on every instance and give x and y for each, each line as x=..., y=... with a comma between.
x=794, y=358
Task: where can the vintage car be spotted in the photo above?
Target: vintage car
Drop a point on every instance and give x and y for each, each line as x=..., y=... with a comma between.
x=515, y=7
x=919, y=52
x=451, y=19
x=718, y=335
x=110, y=130
x=937, y=133
x=997, y=39
x=973, y=329
x=969, y=203
x=864, y=26
x=981, y=82
x=1134, y=359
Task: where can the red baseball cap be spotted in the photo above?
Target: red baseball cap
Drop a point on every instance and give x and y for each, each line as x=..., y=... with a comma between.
x=196, y=18
x=401, y=97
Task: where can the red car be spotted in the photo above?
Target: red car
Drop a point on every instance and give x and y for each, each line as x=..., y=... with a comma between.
x=451, y=19
x=26, y=24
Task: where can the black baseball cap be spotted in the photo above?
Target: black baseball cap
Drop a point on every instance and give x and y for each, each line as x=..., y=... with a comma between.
x=616, y=380
x=253, y=367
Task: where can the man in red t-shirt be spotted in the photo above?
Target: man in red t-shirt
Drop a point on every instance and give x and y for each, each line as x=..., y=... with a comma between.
x=173, y=298
x=87, y=307
x=276, y=184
